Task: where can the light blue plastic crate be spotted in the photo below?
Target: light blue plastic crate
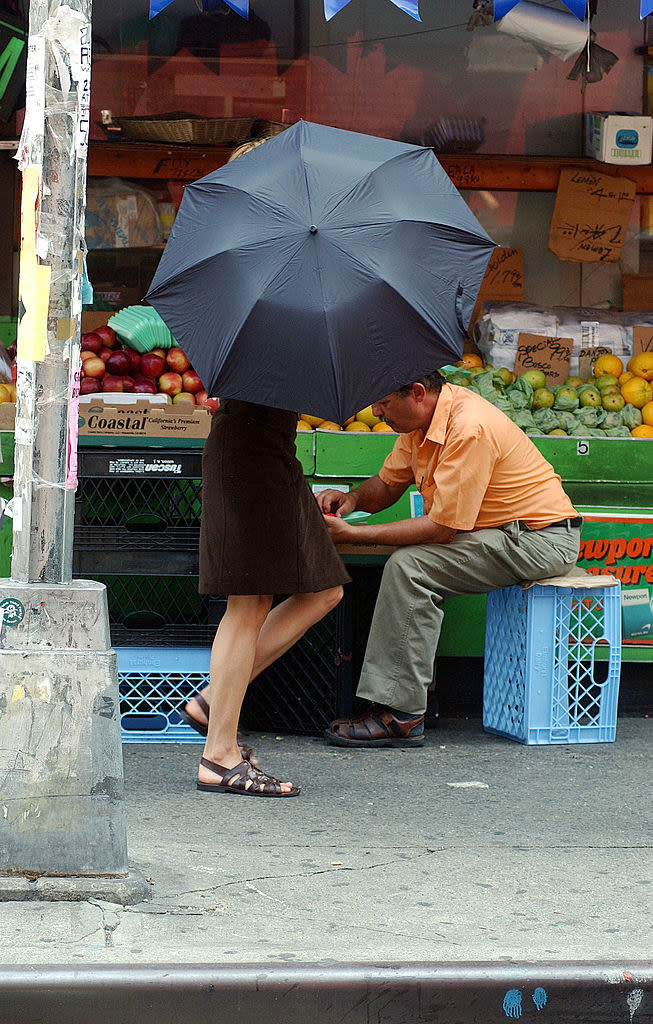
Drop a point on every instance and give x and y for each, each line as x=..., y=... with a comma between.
x=542, y=683
x=154, y=682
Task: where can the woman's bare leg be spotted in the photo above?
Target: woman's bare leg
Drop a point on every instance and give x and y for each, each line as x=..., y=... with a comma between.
x=285, y=624
x=232, y=659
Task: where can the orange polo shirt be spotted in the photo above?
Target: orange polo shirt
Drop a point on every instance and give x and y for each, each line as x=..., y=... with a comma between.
x=476, y=469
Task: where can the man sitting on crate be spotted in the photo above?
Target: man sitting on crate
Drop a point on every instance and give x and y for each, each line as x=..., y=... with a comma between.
x=494, y=515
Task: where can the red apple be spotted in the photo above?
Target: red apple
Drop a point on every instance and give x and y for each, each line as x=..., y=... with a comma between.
x=170, y=383
x=84, y=355
x=127, y=383
x=201, y=398
x=105, y=354
x=92, y=342
x=152, y=365
x=134, y=360
x=184, y=398
x=144, y=385
x=111, y=383
x=107, y=336
x=89, y=386
x=177, y=360
x=191, y=382
x=118, y=363
x=94, y=367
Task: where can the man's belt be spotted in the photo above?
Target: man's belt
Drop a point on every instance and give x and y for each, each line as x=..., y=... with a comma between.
x=572, y=523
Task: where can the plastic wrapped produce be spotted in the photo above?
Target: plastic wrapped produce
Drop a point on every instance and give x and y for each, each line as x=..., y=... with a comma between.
x=631, y=416
x=612, y=419
x=566, y=399
x=545, y=420
x=520, y=394
x=590, y=416
x=617, y=431
x=524, y=419
x=566, y=420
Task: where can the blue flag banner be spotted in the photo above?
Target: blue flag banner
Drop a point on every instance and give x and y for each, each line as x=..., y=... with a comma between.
x=577, y=7
x=501, y=8
x=646, y=8
x=411, y=7
x=239, y=6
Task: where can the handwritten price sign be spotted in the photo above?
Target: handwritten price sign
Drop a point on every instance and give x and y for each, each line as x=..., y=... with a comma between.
x=590, y=216
x=550, y=355
x=642, y=340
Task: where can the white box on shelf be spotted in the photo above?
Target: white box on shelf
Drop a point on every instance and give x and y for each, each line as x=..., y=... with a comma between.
x=619, y=138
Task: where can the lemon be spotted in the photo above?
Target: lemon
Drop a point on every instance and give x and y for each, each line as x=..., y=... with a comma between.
x=356, y=427
x=367, y=416
x=329, y=425
x=383, y=428
x=313, y=421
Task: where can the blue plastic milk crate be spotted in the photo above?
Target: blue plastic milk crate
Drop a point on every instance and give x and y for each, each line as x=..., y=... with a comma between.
x=543, y=682
x=153, y=683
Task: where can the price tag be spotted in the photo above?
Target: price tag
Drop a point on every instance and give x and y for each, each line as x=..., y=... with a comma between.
x=588, y=356
x=550, y=355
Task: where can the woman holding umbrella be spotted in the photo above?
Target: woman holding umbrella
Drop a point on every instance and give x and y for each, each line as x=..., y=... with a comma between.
x=262, y=534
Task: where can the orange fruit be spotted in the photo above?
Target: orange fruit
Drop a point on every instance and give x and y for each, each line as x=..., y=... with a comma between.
x=358, y=428
x=642, y=431
x=313, y=421
x=637, y=391
x=642, y=365
x=647, y=414
x=608, y=364
x=329, y=425
x=383, y=428
x=303, y=425
x=625, y=376
x=468, y=360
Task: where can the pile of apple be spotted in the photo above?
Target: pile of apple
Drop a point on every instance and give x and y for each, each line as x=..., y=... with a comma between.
x=110, y=367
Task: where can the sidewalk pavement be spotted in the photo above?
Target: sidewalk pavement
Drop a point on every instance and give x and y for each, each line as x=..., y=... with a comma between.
x=473, y=848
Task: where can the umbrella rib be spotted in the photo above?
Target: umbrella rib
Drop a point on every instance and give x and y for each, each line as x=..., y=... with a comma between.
x=333, y=350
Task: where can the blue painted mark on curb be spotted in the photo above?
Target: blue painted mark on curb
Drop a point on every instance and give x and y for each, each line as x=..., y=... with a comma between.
x=539, y=998
x=512, y=1003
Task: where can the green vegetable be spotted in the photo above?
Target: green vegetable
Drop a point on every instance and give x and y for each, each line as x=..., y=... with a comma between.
x=617, y=431
x=590, y=416
x=566, y=420
x=524, y=419
x=520, y=394
x=612, y=419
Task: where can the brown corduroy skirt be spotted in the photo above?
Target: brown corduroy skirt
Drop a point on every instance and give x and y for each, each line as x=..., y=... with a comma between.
x=262, y=531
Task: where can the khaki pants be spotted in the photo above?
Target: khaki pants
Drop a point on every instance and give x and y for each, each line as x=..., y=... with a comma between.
x=398, y=666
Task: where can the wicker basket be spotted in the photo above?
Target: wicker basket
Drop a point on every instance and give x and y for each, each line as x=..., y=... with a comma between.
x=187, y=128
x=263, y=128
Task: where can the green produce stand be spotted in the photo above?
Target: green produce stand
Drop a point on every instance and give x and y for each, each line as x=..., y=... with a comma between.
x=609, y=480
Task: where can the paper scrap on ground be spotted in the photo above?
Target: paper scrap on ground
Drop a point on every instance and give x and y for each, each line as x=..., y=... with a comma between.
x=468, y=785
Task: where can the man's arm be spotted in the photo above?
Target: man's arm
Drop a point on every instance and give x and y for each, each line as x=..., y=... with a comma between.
x=420, y=530
x=372, y=495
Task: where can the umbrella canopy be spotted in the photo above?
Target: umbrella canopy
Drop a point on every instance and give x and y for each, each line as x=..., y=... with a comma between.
x=321, y=271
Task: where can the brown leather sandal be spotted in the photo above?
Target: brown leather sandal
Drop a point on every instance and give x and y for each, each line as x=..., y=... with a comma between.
x=244, y=780
x=378, y=727
x=202, y=727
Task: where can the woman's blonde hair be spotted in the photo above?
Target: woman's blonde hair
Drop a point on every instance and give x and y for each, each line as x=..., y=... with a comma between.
x=247, y=147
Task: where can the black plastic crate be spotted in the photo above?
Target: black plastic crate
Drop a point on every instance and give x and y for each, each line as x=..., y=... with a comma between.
x=127, y=500
x=308, y=686
x=164, y=611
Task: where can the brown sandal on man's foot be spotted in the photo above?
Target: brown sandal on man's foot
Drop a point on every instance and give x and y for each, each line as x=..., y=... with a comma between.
x=244, y=780
x=202, y=727
x=378, y=727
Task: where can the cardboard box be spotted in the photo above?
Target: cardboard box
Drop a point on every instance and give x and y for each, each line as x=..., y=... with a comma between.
x=143, y=423
x=619, y=138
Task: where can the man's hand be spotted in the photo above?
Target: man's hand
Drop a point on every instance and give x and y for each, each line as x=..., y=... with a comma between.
x=340, y=531
x=336, y=503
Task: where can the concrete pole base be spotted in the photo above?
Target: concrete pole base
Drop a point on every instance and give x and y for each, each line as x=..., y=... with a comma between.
x=61, y=775
x=130, y=889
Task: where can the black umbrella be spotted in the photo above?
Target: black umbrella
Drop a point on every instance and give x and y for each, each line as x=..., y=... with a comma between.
x=321, y=271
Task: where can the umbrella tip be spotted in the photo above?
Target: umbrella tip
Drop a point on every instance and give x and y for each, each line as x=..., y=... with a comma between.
x=313, y=229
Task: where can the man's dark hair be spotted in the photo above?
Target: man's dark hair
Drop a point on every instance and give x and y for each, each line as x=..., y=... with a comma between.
x=432, y=382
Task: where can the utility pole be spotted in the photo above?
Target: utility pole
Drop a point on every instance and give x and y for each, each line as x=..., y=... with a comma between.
x=62, y=823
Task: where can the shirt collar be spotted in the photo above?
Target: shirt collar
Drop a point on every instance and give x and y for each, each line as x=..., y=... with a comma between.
x=438, y=427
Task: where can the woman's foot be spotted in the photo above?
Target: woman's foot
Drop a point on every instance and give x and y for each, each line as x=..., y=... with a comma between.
x=240, y=778
x=196, y=714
